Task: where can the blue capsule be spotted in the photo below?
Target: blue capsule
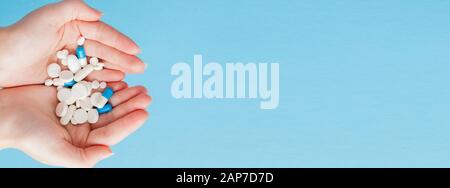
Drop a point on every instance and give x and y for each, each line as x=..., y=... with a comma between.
x=108, y=93
x=70, y=84
x=81, y=54
x=107, y=108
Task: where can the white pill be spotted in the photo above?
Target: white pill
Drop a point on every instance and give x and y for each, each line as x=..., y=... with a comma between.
x=93, y=61
x=64, y=62
x=81, y=41
x=73, y=121
x=66, y=76
x=61, y=109
x=58, y=82
x=98, y=67
x=88, y=87
x=53, y=70
x=103, y=85
x=66, y=118
x=79, y=91
x=62, y=54
x=78, y=103
x=63, y=94
x=93, y=116
x=80, y=116
x=71, y=100
x=73, y=64
x=95, y=84
x=83, y=73
x=48, y=82
x=86, y=103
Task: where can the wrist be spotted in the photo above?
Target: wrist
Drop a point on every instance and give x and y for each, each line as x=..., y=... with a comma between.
x=7, y=138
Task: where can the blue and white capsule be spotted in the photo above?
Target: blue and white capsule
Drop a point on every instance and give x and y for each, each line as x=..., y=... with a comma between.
x=70, y=84
x=81, y=53
x=100, y=100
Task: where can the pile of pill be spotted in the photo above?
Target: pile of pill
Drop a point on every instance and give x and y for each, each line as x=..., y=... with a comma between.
x=80, y=101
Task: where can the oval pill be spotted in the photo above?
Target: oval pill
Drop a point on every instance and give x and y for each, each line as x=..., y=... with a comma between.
x=61, y=109
x=63, y=94
x=83, y=73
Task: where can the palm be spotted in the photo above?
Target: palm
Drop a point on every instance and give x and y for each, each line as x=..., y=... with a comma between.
x=41, y=128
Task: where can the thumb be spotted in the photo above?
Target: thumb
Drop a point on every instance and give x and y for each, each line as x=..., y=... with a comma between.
x=58, y=14
x=76, y=157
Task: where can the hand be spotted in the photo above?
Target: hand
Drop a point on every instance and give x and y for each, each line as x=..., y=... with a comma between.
x=29, y=124
x=31, y=44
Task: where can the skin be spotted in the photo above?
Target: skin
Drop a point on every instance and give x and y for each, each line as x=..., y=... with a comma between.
x=27, y=107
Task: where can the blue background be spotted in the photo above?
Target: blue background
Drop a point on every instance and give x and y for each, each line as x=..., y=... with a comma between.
x=362, y=83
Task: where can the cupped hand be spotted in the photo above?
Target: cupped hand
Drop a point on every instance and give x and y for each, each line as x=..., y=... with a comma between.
x=35, y=129
x=29, y=45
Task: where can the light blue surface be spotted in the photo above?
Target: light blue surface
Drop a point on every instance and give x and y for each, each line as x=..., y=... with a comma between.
x=363, y=83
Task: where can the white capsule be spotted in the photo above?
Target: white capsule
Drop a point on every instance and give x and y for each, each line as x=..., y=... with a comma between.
x=86, y=103
x=66, y=76
x=61, y=109
x=66, y=118
x=53, y=70
x=83, y=73
x=93, y=61
x=73, y=64
x=98, y=100
x=63, y=94
x=81, y=41
x=93, y=116
x=80, y=116
x=83, y=62
x=103, y=85
x=79, y=91
x=48, y=82
x=95, y=84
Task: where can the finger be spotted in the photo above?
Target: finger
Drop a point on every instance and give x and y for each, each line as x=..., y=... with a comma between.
x=139, y=102
x=124, y=62
x=57, y=14
x=118, y=130
x=76, y=157
x=106, y=75
x=124, y=95
x=117, y=86
x=107, y=35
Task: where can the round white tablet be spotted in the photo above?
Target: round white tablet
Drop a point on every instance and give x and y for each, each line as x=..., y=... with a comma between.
x=93, y=116
x=48, y=82
x=66, y=76
x=95, y=84
x=93, y=61
x=53, y=70
x=63, y=94
x=103, y=85
x=73, y=64
x=62, y=54
x=80, y=116
x=79, y=91
x=61, y=109
x=86, y=103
